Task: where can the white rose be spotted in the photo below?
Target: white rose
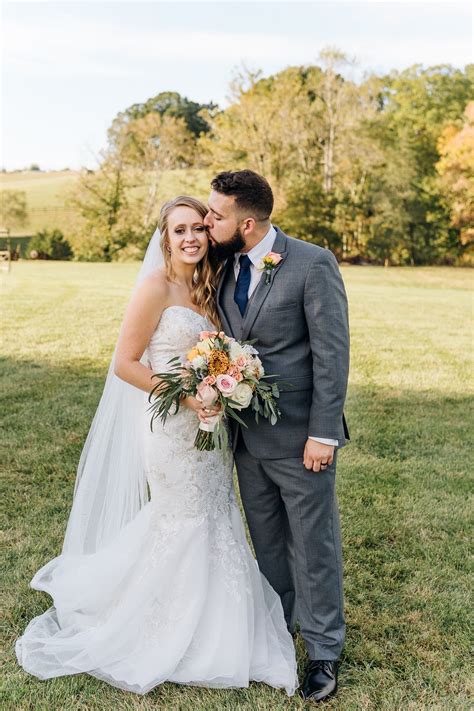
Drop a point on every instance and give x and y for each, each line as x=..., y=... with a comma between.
x=254, y=368
x=249, y=349
x=235, y=350
x=199, y=362
x=259, y=370
x=242, y=395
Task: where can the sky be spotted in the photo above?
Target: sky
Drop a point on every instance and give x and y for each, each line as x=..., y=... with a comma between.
x=69, y=67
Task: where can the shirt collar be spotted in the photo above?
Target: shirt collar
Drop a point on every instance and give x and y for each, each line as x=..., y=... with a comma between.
x=261, y=249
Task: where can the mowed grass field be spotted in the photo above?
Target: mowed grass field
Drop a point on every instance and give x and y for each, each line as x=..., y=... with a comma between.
x=403, y=482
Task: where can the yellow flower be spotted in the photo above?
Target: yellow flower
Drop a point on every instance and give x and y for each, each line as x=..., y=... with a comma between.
x=193, y=353
x=218, y=363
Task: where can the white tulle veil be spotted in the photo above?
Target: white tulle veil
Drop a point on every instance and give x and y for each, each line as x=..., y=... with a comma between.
x=111, y=486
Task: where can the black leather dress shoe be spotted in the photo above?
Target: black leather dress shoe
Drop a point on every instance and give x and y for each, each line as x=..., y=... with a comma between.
x=320, y=681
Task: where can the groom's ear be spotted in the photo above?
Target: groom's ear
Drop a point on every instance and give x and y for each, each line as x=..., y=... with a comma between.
x=248, y=226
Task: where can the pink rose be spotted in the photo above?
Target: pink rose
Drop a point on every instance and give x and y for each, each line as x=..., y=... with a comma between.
x=241, y=362
x=235, y=373
x=206, y=394
x=275, y=257
x=209, y=380
x=207, y=334
x=226, y=384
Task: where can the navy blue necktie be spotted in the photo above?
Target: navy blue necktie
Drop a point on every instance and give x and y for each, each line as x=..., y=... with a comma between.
x=241, y=293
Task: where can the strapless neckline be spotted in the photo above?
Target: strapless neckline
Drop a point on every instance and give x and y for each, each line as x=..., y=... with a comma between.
x=177, y=331
x=186, y=308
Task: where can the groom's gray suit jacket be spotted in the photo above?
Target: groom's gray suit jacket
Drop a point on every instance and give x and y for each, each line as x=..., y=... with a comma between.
x=300, y=323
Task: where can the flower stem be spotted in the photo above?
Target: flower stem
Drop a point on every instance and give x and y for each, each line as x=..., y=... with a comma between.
x=204, y=441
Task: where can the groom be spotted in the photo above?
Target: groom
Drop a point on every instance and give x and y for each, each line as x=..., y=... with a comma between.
x=297, y=312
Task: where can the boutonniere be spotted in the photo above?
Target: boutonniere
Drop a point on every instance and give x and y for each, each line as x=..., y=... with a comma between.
x=268, y=264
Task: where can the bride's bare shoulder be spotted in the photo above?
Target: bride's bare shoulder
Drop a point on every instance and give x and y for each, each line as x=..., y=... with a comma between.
x=156, y=285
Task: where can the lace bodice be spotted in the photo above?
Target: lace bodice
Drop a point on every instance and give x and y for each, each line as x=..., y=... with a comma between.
x=176, y=333
x=183, y=481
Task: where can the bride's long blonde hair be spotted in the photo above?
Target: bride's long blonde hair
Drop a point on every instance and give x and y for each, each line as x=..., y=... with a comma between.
x=206, y=275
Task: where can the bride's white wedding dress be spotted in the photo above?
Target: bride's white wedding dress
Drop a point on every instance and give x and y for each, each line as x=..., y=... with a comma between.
x=177, y=595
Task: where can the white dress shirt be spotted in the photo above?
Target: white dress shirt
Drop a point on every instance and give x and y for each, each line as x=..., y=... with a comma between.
x=256, y=254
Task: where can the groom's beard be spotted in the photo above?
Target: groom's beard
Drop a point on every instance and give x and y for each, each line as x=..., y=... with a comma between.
x=224, y=250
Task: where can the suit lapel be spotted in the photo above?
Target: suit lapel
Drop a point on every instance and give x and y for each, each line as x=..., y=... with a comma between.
x=263, y=289
x=222, y=279
x=225, y=321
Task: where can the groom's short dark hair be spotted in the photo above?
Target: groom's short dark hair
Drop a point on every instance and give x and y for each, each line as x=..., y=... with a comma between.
x=251, y=191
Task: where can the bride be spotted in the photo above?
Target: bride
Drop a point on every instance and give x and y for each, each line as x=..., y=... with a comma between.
x=156, y=581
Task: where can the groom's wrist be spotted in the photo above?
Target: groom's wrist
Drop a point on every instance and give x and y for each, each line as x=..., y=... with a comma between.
x=325, y=440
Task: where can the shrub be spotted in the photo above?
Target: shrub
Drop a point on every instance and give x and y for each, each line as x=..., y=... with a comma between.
x=49, y=244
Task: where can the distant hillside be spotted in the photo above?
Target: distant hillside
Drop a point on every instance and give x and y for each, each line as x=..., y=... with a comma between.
x=46, y=194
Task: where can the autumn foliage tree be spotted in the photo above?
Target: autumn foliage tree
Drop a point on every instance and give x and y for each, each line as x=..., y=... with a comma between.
x=456, y=171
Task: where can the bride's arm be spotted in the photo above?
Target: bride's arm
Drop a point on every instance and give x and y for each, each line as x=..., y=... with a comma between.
x=141, y=318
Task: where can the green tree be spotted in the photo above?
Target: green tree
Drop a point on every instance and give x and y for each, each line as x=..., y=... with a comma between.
x=309, y=214
x=146, y=147
x=171, y=104
x=297, y=128
x=109, y=212
x=255, y=131
x=406, y=200
x=153, y=142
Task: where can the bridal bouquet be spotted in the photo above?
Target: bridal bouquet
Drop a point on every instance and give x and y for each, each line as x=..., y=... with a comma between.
x=218, y=370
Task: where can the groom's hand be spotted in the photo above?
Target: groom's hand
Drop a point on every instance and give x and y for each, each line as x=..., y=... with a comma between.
x=317, y=456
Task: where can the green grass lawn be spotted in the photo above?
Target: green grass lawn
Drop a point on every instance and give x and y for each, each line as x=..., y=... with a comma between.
x=403, y=482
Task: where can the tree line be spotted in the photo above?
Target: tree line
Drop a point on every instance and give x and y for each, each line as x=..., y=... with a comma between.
x=380, y=170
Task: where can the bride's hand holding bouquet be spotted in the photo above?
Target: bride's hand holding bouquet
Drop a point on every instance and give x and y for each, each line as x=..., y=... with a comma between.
x=219, y=377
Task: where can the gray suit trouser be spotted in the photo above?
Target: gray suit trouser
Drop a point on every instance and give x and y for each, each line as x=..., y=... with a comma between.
x=293, y=519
